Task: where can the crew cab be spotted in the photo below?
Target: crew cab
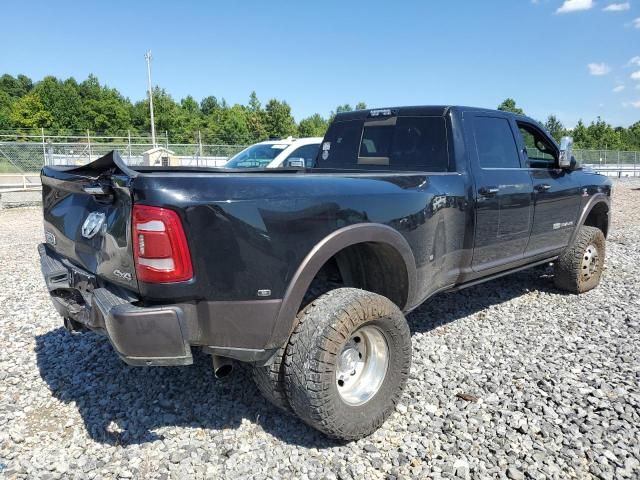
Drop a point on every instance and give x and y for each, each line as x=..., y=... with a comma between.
x=308, y=273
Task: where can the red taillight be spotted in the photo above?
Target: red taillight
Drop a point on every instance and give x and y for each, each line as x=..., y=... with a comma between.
x=160, y=247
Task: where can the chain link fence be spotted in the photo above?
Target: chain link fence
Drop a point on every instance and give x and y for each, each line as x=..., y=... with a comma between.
x=20, y=157
x=21, y=161
x=28, y=157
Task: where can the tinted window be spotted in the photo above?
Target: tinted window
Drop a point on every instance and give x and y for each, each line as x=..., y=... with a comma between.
x=495, y=143
x=343, y=139
x=376, y=141
x=308, y=152
x=394, y=143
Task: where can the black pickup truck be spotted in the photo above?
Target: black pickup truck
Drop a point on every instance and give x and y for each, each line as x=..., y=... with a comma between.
x=307, y=274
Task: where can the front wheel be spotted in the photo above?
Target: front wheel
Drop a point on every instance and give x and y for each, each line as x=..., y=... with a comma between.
x=580, y=266
x=347, y=362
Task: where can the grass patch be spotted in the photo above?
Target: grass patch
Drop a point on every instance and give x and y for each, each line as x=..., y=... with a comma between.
x=6, y=167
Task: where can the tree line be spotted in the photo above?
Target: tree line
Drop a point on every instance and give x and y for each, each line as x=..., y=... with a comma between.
x=69, y=107
x=597, y=135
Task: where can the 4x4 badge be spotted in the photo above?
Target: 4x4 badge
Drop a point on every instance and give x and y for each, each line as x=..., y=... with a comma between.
x=93, y=224
x=123, y=275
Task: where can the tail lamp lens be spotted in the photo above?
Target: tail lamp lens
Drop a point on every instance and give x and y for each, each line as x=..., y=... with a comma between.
x=160, y=246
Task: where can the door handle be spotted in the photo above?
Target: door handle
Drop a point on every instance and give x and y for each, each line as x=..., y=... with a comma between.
x=542, y=187
x=488, y=191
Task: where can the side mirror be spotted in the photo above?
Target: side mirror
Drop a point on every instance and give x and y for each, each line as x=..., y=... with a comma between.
x=295, y=162
x=566, y=152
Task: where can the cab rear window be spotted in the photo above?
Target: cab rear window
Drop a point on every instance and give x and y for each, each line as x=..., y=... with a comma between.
x=387, y=143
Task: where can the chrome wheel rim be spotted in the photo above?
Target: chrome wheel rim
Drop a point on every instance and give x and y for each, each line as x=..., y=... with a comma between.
x=362, y=365
x=590, y=262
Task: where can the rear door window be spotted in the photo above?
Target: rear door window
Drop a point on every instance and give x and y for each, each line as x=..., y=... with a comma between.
x=495, y=143
x=391, y=143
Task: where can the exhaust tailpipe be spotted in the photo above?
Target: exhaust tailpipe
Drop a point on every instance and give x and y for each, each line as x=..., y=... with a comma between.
x=222, y=366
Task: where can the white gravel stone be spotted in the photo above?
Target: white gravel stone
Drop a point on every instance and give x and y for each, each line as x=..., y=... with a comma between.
x=555, y=375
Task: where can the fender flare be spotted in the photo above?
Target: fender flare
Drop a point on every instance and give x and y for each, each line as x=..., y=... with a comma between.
x=586, y=210
x=322, y=252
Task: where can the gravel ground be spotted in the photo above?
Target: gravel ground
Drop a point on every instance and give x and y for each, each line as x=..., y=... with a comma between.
x=549, y=387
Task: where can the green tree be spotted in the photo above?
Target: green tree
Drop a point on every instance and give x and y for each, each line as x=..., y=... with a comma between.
x=256, y=118
x=313, y=126
x=66, y=105
x=189, y=121
x=166, y=110
x=90, y=88
x=190, y=106
x=169, y=117
x=509, y=105
x=208, y=105
x=631, y=137
x=29, y=112
x=233, y=127
x=62, y=100
x=105, y=116
x=254, y=104
x=15, y=87
x=602, y=135
x=279, y=121
x=580, y=135
x=5, y=110
x=554, y=127
x=103, y=110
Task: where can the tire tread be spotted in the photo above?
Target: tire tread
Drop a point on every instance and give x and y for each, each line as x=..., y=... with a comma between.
x=567, y=268
x=323, y=326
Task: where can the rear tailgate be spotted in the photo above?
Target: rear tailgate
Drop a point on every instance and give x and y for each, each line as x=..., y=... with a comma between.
x=87, y=217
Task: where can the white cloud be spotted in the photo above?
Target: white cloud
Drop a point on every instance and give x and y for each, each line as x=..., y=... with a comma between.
x=636, y=23
x=575, y=5
x=634, y=61
x=617, y=7
x=635, y=75
x=618, y=89
x=598, y=69
x=635, y=104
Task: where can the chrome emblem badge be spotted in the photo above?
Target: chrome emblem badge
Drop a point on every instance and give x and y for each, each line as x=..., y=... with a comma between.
x=123, y=275
x=49, y=237
x=93, y=224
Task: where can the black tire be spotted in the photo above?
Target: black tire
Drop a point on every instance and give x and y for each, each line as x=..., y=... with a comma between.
x=311, y=361
x=270, y=378
x=576, y=270
x=270, y=381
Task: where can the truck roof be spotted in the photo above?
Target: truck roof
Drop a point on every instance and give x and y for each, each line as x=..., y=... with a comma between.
x=430, y=110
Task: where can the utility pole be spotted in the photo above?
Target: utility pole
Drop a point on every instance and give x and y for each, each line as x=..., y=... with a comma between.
x=147, y=57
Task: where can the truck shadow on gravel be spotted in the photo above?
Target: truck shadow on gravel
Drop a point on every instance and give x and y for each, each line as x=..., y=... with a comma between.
x=449, y=307
x=122, y=405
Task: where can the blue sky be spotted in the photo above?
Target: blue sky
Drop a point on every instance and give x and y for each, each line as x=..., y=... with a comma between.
x=574, y=58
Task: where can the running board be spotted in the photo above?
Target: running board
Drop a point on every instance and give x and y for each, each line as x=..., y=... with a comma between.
x=478, y=281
